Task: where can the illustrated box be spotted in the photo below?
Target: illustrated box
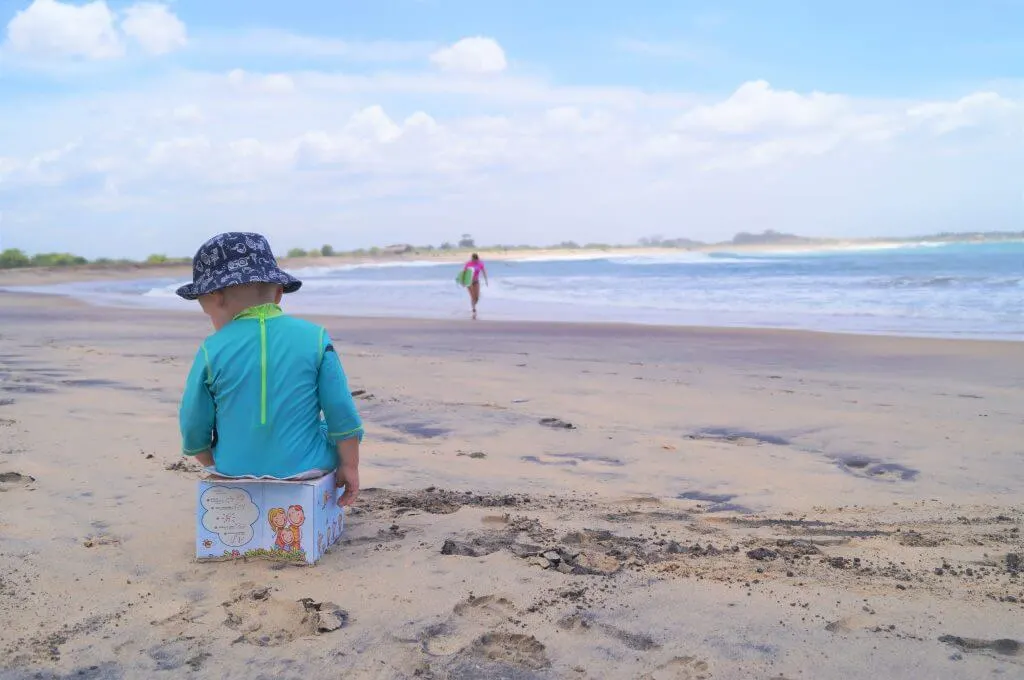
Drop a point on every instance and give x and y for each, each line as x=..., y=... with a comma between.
x=290, y=521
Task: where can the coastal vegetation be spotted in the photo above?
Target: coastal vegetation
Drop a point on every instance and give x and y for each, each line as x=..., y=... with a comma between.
x=13, y=258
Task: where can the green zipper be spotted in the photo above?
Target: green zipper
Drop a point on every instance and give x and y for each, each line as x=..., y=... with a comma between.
x=263, y=366
x=262, y=313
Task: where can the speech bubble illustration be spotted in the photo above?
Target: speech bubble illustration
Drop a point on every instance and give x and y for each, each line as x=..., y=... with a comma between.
x=230, y=513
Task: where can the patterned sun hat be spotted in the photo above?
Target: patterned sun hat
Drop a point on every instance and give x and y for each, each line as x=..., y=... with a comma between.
x=232, y=259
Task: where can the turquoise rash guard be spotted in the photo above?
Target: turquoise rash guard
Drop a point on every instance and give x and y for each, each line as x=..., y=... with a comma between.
x=268, y=394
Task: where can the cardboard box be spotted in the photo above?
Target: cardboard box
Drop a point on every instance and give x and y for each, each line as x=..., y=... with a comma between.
x=295, y=521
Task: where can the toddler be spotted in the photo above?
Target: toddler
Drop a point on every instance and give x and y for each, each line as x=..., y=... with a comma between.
x=267, y=395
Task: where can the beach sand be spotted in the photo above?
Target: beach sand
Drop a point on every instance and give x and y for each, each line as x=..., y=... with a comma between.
x=726, y=504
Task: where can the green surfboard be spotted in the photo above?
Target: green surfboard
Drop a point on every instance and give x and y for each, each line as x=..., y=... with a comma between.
x=464, y=277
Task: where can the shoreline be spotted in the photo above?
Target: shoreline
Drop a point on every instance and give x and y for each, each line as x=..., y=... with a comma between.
x=76, y=282
x=634, y=329
x=90, y=272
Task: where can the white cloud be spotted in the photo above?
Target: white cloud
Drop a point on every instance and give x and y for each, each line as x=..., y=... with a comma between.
x=970, y=111
x=53, y=30
x=154, y=27
x=755, y=107
x=48, y=28
x=49, y=167
x=421, y=121
x=759, y=125
x=419, y=156
x=471, y=55
x=372, y=122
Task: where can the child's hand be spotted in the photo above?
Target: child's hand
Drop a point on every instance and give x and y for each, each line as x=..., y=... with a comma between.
x=348, y=477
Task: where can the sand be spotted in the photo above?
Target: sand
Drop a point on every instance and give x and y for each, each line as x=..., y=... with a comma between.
x=725, y=504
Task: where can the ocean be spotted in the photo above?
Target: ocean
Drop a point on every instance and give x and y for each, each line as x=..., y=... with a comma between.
x=954, y=290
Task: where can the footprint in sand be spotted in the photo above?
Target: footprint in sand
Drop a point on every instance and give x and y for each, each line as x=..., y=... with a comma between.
x=176, y=654
x=470, y=643
x=680, y=668
x=509, y=656
x=485, y=609
x=514, y=649
x=467, y=619
x=14, y=480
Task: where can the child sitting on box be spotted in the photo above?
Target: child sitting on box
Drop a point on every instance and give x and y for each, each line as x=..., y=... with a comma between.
x=267, y=395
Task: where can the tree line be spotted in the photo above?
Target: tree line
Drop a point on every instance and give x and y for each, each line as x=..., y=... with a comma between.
x=13, y=258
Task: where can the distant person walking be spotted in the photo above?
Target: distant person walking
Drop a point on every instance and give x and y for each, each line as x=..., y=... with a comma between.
x=475, y=265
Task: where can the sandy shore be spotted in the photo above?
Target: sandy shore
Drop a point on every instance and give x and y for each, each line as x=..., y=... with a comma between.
x=727, y=504
x=42, y=276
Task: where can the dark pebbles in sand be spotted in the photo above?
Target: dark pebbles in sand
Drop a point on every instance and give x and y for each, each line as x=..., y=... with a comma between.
x=870, y=468
x=435, y=501
x=557, y=424
x=104, y=671
x=477, y=547
x=762, y=554
x=539, y=461
x=25, y=388
x=589, y=458
x=9, y=480
x=418, y=430
x=738, y=436
x=1004, y=646
x=718, y=502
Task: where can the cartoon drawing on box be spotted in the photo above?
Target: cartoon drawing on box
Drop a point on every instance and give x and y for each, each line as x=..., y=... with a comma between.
x=278, y=520
x=295, y=518
x=288, y=539
x=327, y=499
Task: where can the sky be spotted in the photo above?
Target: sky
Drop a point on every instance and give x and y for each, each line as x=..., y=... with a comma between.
x=132, y=128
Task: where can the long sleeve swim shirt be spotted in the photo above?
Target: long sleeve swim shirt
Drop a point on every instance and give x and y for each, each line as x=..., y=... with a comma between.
x=267, y=393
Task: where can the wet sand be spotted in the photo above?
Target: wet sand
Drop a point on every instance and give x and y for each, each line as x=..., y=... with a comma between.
x=541, y=501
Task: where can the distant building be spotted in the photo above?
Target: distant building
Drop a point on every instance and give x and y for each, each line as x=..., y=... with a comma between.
x=398, y=249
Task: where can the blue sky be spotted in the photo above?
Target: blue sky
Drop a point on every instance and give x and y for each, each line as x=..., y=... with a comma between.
x=131, y=128
x=868, y=48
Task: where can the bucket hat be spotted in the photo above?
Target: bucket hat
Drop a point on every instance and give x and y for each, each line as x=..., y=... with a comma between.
x=232, y=259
